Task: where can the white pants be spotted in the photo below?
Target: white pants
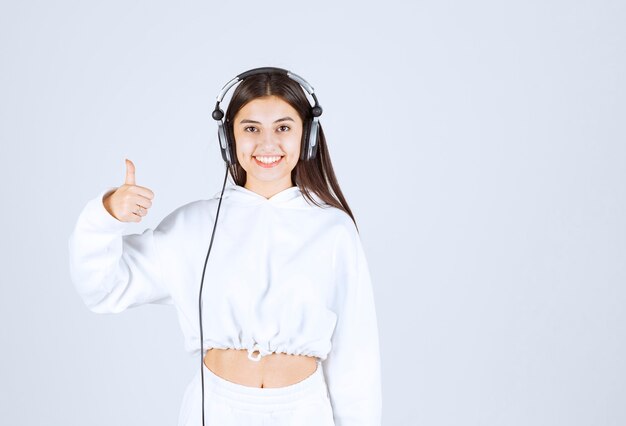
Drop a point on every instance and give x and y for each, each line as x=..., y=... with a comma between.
x=226, y=403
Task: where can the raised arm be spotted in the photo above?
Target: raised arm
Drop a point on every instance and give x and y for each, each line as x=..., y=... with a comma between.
x=112, y=271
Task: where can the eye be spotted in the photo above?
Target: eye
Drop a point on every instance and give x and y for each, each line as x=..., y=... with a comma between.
x=287, y=127
x=249, y=127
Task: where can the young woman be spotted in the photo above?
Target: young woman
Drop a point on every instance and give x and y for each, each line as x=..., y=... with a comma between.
x=288, y=332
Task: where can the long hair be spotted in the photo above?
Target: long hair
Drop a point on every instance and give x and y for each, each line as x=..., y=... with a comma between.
x=315, y=175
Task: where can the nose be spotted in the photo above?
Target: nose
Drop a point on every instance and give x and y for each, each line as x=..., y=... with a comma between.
x=267, y=139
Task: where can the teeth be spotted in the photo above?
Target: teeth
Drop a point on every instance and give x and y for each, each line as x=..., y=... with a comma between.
x=268, y=160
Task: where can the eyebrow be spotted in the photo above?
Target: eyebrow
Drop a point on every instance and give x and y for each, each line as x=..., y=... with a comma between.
x=256, y=122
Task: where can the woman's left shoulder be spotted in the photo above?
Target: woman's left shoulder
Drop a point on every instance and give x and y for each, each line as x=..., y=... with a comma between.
x=340, y=224
x=334, y=216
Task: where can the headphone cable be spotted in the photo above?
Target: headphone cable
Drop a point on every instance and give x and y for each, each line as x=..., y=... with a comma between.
x=200, y=296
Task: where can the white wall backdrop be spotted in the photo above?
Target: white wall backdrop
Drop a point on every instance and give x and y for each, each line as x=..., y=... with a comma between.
x=481, y=146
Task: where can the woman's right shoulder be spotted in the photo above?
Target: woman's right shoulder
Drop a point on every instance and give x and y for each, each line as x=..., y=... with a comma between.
x=191, y=213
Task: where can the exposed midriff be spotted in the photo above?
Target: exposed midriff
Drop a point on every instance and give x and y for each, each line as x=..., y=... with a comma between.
x=271, y=371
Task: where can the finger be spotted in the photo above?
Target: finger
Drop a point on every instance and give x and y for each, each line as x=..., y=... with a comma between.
x=138, y=200
x=143, y=191
x=130, y=172
x=139, y=211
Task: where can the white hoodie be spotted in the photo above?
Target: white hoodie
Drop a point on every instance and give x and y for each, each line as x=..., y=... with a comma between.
x=283, y=275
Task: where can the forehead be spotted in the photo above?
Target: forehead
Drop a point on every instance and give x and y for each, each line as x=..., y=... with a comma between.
x=267, y=108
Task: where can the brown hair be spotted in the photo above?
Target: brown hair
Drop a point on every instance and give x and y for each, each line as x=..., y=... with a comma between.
x=315, y=175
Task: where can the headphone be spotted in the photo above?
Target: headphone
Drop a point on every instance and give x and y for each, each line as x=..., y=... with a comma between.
x=308, y=151
x=309, y=135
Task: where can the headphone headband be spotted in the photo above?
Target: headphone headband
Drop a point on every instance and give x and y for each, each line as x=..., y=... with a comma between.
x=263, y=70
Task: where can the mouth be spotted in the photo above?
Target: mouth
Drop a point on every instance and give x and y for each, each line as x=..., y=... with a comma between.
x=268, y=161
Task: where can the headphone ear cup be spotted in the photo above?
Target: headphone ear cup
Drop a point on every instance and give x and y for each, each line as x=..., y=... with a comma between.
x=304, y=148
x=230, y=146
x=312, y=137
x=223, y=141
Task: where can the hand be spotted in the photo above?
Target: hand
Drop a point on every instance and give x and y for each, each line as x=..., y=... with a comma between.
x=129, y=202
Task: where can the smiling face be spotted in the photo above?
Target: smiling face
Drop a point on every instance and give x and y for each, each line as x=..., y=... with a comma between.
x=268, y=133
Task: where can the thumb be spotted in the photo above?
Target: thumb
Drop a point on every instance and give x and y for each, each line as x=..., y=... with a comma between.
x=130, y=172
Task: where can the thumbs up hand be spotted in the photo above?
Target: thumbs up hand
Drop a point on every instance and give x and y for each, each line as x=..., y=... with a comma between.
x=129, y=202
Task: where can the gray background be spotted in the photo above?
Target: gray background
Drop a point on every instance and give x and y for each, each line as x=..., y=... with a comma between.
x=480, y=144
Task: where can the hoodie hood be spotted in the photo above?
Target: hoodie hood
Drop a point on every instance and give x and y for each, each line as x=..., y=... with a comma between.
x=236, y=194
